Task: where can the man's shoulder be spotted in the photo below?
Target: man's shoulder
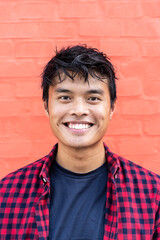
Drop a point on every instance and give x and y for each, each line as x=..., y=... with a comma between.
x=31, y=171
x=130, y=169
x=28, y=174
x=137, y=173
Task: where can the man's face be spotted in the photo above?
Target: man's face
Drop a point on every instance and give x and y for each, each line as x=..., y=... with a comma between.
x=79, y=112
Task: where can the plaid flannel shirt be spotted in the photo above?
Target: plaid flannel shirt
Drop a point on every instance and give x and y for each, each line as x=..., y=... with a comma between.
x=132, y=201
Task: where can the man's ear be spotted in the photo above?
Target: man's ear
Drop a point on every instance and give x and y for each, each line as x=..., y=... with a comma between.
x=46, y=108
x=112, y=111
x=111, y=114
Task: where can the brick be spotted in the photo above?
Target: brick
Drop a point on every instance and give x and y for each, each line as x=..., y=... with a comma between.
x=34, y=49
x=40, y=10
x=79, y=9
x=14, y=108
x=150, y=48
x=77, y=1
x=35, y=130
x=12, y=68
x=28, y=89
x=4, y=131
x=12, y=164
x=7, y=91
x=15, y=149
x=112, y=142
x=14, y=126
x=28, y=127
x=151, y=8
x=123, y=9
x=149, y=161
x=118, y=107
x=57, y=29
x=6, y=48
x=152, y=166
x=14, y=80
x=151, y=88
x=150, y=158
x=120, y=126
x=4, y=170
x=37, y=108
x=90, y=42
x=129, y=87
x=143, y=69
x=136, y=146
x=18, y=30
x=141, y=28
x=41, y=63
x=151, y=70
x=40, y=151
x=7, y=11
x=116, y=47
x=152, y=126
x=100, y=28
x=157, y=144
x=117, y=62
x=140, y=107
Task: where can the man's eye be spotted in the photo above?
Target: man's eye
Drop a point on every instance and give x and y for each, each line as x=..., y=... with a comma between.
x=64, y=98
x=93, y=99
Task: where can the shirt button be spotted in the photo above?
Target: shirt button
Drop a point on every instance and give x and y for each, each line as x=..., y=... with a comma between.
x=44, y=180
x=115, y=176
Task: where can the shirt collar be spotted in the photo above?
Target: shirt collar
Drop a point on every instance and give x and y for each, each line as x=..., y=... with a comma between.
x=112, y=163
x=44, y=174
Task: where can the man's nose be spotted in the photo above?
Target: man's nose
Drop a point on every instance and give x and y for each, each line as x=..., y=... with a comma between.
x=79, y=108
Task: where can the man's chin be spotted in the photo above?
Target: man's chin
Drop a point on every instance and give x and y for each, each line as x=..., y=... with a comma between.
x=79, y=145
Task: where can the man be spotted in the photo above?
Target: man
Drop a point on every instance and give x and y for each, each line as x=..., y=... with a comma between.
x=81, y=190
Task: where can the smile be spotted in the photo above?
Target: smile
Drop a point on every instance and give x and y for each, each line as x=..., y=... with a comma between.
x=78, y=126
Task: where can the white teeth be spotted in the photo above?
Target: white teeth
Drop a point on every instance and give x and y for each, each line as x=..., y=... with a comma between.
x=78, y=126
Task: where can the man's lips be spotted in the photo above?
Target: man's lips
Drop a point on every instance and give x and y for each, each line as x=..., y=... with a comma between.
x=78, y=125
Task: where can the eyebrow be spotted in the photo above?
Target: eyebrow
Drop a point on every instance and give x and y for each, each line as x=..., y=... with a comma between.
x=62, y=90
x=94, y=91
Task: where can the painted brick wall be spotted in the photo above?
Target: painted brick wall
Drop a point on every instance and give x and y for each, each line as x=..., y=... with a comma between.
x=128, y=31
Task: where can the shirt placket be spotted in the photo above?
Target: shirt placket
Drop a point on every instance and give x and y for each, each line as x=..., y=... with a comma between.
x=42, y=211
x=111, y=214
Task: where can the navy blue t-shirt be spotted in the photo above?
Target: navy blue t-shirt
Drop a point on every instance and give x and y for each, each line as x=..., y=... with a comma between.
x=77, y=206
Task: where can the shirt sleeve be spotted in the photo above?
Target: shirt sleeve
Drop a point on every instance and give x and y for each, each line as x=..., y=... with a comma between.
x=156, y=235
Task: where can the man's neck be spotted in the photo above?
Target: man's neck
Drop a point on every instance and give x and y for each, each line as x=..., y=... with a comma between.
x=81, y=160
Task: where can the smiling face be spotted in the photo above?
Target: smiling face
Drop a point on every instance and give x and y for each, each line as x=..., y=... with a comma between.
x=79, y=112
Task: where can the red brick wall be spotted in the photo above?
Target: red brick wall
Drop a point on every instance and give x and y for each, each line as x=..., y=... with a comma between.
x=128, y=31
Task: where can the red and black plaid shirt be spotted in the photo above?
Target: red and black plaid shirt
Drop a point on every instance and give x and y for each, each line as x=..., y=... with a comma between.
x=132, y=201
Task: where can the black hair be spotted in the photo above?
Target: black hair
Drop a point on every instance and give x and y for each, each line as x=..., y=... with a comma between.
x=81, y=60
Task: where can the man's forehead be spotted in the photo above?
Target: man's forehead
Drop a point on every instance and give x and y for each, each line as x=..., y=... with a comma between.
x=60, y=89
x=78, y=78
x=79, y=86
